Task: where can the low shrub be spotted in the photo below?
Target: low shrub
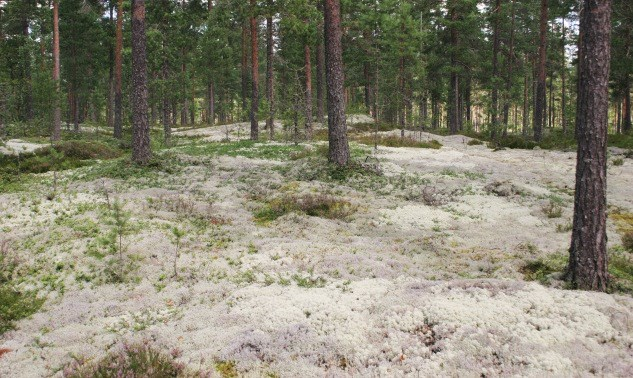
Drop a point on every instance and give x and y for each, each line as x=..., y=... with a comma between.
x=319, y=205
x=396, y=141
x=136, y=361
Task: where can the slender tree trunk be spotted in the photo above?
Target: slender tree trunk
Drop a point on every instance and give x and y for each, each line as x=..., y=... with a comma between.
x=110, y=104
x=626, y=106
x=337, y=128
x=618, y=117
x=211, y=87
x=587, y=268
x=320, y=68
x=270, y=93
x=509, y=76
x=453, y=101
x=28, y=94
x=118, y=73
x=401, y=90
x=245, y=44
x=254, y=75
x=308, y=78
x=141, y=152
x=563, y=73
x=166, y=106
x=496, y=42
x=540, y=101
x=57, y=111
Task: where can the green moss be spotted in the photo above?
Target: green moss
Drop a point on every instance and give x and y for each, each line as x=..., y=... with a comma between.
x=396, y=141
x=245, y=148
x=322, y=206
x=16, y=305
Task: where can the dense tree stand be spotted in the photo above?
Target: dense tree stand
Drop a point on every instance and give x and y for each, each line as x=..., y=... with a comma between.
x=141, y=152
x=337, y=128
x=588, y=252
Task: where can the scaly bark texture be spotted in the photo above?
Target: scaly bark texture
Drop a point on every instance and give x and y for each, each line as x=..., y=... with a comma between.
x=270, y=95
x=587, y=268
x=57, y=111
x=539, y=103
x=337, y=128
x=118, y=73
x=141, y=152
x=254, y=74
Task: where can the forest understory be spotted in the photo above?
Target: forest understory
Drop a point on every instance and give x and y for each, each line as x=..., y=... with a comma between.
x=226, y=257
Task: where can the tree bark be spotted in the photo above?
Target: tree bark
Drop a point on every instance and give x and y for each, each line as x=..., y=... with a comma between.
x=496, y=42
x=57, y=111
x=540, y=101
x=626, y=106
x=320, y=68
x=254, y=74
x=118, y=73
x=308, y=78
x=563, y=101
x=337, y=129
x=453, y=101
x=245, y=43
x=141, y=152
x=270, y=94
x=587, y=268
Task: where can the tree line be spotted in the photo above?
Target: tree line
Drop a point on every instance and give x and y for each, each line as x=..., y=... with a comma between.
x=496, y=66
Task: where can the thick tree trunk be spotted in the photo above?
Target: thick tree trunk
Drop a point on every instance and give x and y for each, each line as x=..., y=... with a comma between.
x=540, y=100
x=337, y=129
x=118, y=73
x=57, y=111
x=270, y=94
x=254, y=75
x=141, y=152
x=588, y=252
x=320, y=68
x=308, y=78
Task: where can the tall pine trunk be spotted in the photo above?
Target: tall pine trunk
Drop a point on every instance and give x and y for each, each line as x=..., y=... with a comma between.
x=270, y=94
x=57, y=111
x=540, y=100
x=118, y=73
x=587, y=268
x=141, y=152
x=254, y=74
x=308, y=78
x=496, y=42
x=320, y=68
x=337, y=129
x=244, y=67
x=563, y=78
x=453, y=100
x=626, y=106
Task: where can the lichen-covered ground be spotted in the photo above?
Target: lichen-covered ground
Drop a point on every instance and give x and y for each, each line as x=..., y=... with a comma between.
x=416, y=267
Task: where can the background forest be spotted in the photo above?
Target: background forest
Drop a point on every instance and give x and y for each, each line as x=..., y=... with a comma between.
x=460, y=65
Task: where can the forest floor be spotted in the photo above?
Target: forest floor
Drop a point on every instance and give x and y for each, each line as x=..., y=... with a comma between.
x=414, y=261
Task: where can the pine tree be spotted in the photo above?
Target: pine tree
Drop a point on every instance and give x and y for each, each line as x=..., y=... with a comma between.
x=141, y=152
x=337, y=129
x=588, y=252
